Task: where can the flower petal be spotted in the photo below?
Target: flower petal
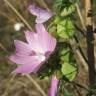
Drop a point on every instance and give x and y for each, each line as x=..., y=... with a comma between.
x=30, y=36
x=34, y=10
x=22, y=48
x=24, y=59
x=33, y=40
x=26, y=68
x=54, y=87
x=47, y=42
x=38, y=12
x=42, y=18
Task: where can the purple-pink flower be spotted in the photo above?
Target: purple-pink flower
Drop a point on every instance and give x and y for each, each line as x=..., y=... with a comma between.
x=32, y=55
x=42, y=15
x=54, y=86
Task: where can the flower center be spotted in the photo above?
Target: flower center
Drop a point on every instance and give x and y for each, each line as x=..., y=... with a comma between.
x=41, y=57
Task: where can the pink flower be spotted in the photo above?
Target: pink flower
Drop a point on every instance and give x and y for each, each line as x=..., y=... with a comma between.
x=42, y=15
x=54, y=87
x=33, y=54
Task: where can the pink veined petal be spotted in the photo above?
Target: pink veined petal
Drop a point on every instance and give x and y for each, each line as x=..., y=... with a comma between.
x=24, y=59
x=54, y=87
x=33, y=40
x=47, y=42
x=30, y=36
x=22, y=48
x=34, y=10
x=26, y=68
x=38, y=12
x=39, y=66
x=43, y=18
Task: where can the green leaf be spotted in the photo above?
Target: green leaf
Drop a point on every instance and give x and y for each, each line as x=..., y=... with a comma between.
x=61, y=33
x=69, y=70
x=57, y=20
x=70, y=29
x=60, y=4
x=66, y=29
x=65, y=57
x=65, y=54
x=68, y=10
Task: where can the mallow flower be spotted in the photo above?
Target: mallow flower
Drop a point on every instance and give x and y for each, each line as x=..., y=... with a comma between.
x=54, y=86
x=42, y=15
x=32, y=55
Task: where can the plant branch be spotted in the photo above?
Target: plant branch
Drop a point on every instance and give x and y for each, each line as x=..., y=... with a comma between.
x=80, y=16
x=80, y=30
x=78, y=55
x=90, y=42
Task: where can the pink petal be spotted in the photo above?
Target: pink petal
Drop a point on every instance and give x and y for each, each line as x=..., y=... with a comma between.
x=34, y=10
x=47, y=42
x=26, y=68
x=43, y=18
x=33, y=40
x=38, y=12
x=54, y=87
x=22, y=48
x=30, y=36
x=24, y=59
